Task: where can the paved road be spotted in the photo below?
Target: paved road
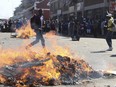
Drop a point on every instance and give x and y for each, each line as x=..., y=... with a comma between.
x=90, y=49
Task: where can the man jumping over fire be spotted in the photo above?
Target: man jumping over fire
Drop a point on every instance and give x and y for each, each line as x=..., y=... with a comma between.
x=36, y=24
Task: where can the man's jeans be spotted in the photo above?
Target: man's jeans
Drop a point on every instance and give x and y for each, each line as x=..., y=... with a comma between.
x=39, y=36
x=109, y=38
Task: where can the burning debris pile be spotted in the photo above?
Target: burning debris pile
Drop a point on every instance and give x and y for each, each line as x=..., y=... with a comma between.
x=24, y=32
x=47, y=70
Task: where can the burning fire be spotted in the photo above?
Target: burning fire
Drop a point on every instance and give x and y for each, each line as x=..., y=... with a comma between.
x=25, y=31
x=29, y=68
x=50, y=34
x=26, y=68
x=47, y=70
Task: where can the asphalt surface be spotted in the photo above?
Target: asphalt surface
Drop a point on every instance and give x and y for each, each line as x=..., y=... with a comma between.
x=92, y=50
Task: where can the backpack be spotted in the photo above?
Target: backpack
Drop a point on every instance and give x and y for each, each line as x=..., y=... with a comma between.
x=114, y=27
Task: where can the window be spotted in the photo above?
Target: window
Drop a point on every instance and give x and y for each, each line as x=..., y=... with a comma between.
x=92, y=2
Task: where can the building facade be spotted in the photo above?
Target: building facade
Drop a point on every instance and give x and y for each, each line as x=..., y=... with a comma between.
x=78, y=8
x=44, y=5
x=28, y=6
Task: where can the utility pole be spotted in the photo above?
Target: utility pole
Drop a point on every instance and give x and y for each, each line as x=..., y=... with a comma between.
x=75, y=9
x=83, y=8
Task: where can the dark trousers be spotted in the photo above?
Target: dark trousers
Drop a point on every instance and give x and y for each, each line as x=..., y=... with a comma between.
x=109, y=36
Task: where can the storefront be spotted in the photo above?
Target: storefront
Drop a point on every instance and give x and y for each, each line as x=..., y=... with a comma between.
x=112, y=7
x=98, y=13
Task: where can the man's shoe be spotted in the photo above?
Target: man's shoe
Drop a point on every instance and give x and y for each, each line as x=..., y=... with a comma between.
x=110, y=49
x=28, y=46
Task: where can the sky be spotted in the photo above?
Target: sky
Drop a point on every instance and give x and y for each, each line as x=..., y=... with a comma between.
x=7, y=8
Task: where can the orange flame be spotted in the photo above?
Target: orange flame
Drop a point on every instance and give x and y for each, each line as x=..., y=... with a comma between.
x=25, y=31
x=48, y=70
x=50, y=34
x=2, y=80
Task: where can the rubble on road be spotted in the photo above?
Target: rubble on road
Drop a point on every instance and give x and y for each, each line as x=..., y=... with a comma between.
x=51, y=70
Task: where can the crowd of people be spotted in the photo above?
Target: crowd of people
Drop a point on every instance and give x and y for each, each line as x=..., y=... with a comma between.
x=5, y=26
x=12, y=25
x=85, y=27
x=72, y=28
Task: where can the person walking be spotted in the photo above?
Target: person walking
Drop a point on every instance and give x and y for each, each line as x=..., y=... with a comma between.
x=75, y=32
x=109, y=34
x=37, y=24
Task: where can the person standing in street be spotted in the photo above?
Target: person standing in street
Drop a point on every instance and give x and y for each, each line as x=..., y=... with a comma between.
x=109, y=34
x=37, y=24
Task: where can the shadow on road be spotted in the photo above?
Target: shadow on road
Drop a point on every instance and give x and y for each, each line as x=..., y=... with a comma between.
x=113, y=55
x=101, y=51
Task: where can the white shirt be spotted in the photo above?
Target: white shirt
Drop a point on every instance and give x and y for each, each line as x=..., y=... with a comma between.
x=42, y=20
